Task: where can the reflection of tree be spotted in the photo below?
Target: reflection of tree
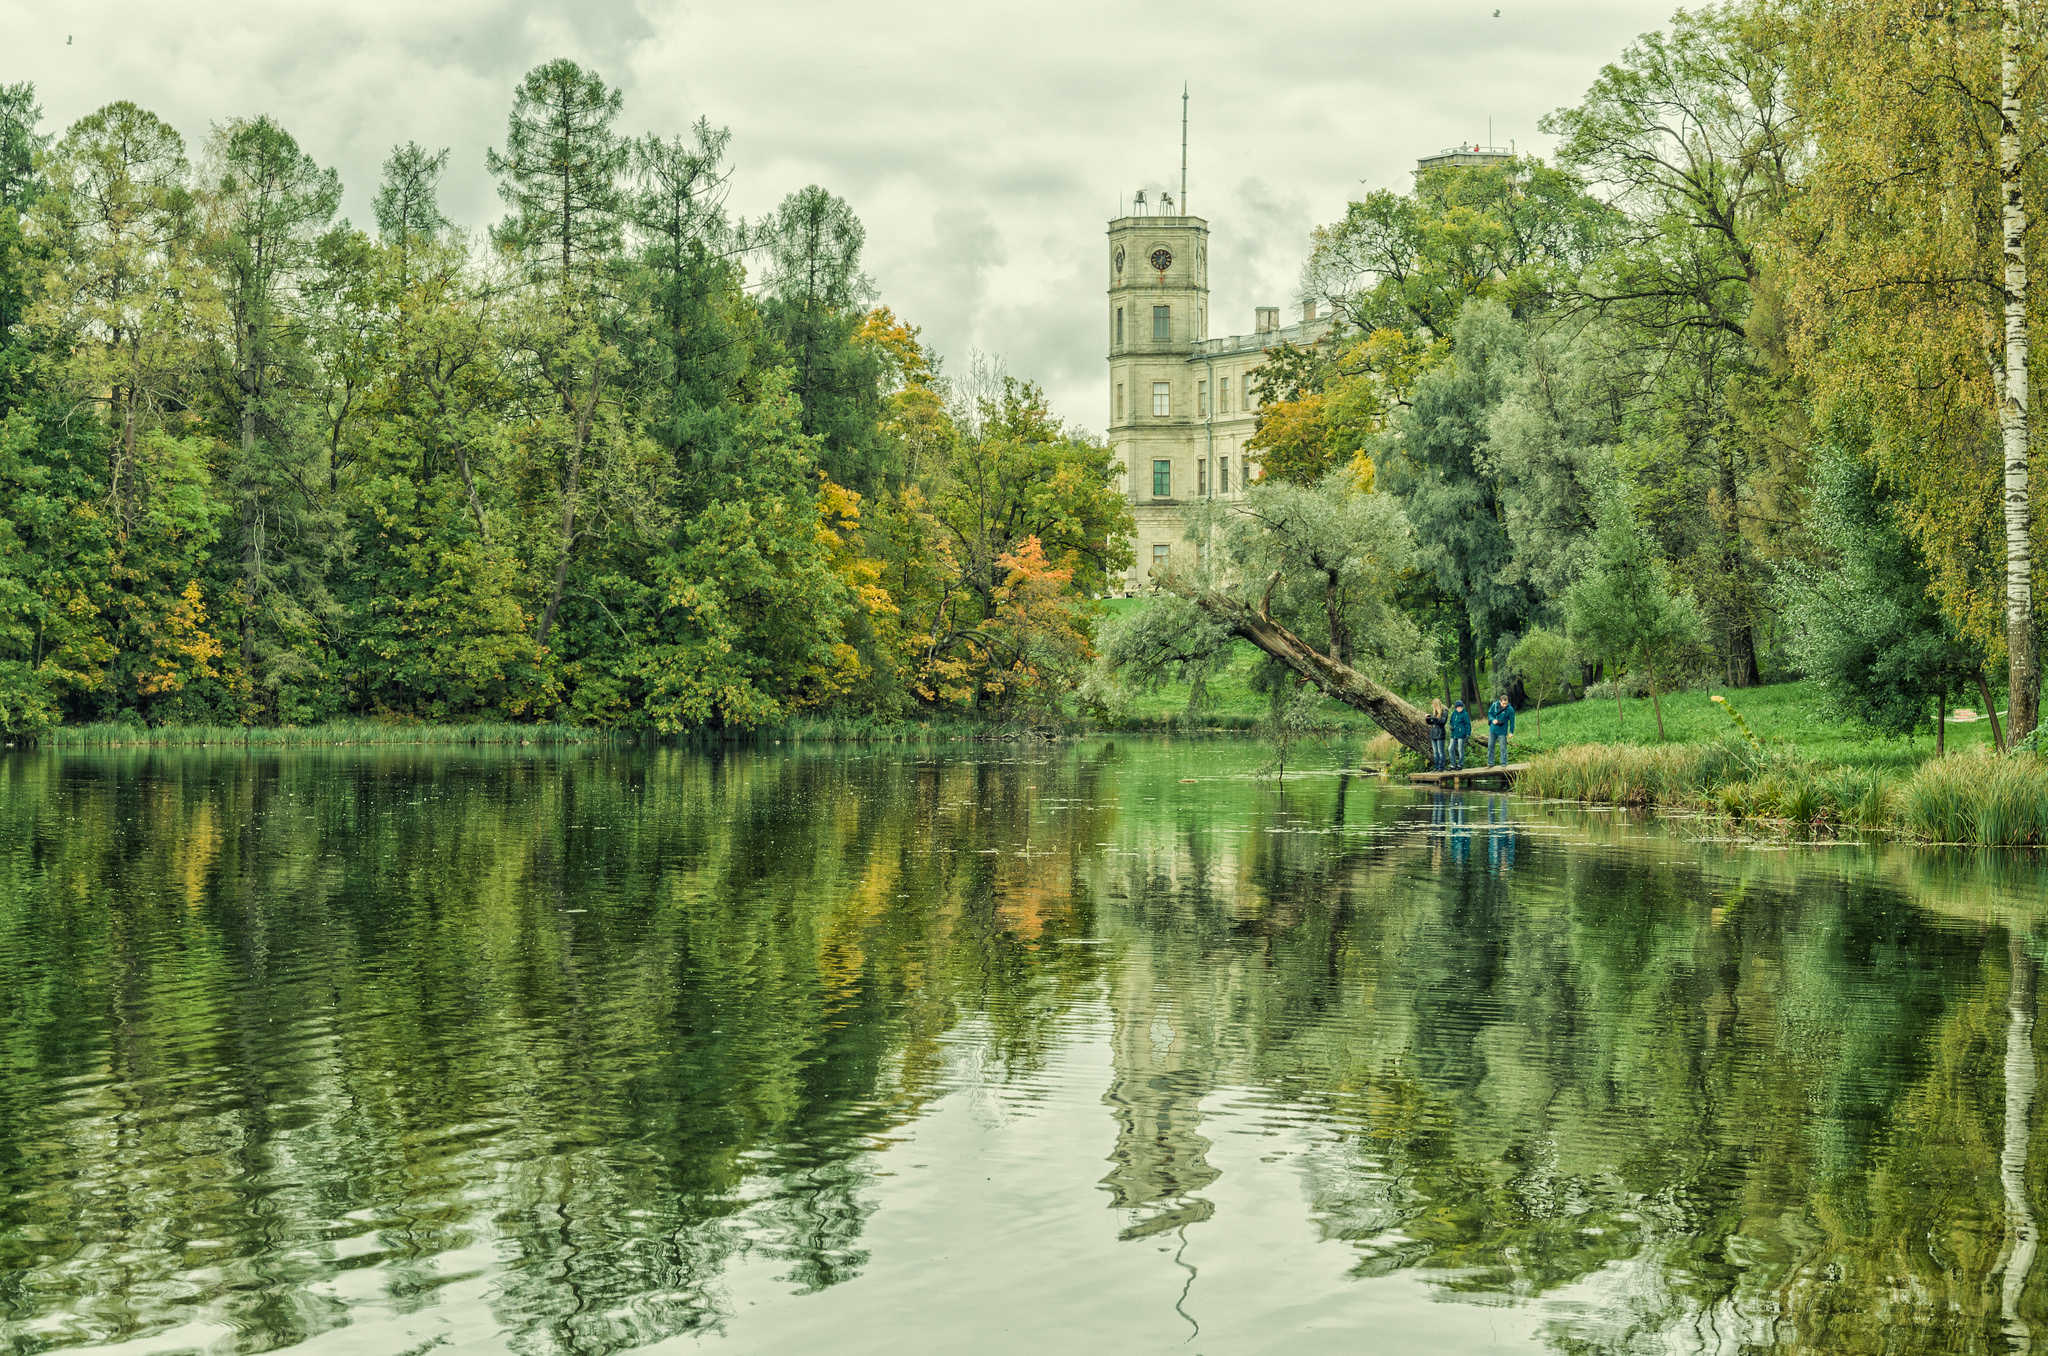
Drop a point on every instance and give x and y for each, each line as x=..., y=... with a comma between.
x=2021, y=1077
x=616, y=1020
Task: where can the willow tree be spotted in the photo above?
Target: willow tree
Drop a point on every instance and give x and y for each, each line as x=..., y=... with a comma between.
x=1303, y=572
x=1910, y=285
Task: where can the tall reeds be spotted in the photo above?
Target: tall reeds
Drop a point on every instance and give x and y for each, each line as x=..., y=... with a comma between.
x=1980, y=799
x=333, y=733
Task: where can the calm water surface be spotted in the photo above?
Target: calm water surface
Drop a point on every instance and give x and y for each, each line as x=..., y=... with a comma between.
x=1102, y=1047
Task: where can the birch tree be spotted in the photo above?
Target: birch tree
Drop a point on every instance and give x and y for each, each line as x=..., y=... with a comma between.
x=1908, y=263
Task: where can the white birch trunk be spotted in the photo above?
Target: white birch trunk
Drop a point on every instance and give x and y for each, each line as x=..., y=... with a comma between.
x=2022, y=644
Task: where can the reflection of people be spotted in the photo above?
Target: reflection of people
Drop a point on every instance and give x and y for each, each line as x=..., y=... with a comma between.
x=1435, y=721
x=1500, y=723
x=1500, y=837
x=1459, y=730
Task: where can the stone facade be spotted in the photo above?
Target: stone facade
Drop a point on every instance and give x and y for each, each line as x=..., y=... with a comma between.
x=1180, y=404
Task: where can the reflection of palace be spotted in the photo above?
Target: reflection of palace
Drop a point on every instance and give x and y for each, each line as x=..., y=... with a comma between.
x=1165, y=1065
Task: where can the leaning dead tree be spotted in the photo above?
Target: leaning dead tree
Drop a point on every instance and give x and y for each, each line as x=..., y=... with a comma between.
x=1330, y=674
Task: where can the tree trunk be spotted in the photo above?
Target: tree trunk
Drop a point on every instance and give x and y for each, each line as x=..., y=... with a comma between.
x=1346, y=684
x=547, y=618
x=1656, y=705
x=1742, y=667
x=581, y=424
x=2021, y=642
x=252, y=558
x=1468, y=661
x=1991, y=710
x=1941, y=726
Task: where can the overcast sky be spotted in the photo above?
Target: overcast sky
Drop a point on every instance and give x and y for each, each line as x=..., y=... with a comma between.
x=984, y=146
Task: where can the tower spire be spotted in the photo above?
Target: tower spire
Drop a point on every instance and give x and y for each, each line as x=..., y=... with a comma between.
x=1184, y=148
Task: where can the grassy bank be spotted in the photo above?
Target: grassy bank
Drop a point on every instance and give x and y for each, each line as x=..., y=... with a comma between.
x=1973, y=797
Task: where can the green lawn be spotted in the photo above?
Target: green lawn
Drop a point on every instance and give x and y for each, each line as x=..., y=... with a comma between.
x=1791, y=713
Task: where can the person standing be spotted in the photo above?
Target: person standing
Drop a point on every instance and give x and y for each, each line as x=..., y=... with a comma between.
x=1435, y=721
x=1459, y=728
x=1500, y=723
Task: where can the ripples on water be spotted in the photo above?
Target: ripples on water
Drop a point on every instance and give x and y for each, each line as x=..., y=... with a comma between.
x=1108, y=1047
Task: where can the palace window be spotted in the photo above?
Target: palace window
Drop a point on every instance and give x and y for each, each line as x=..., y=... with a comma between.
x=1202, y=398
x=1162, y=398
x=1223, y=475
x=1159, y=554
x=1162, y=322
x=1201, y=477
x=1162, y=479
x=1119, y=327
x=1223, y=395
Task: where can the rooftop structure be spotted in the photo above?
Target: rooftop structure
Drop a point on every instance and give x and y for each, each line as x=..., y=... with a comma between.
x=1460, y=157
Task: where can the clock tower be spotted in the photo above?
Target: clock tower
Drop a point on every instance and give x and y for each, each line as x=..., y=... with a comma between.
x=1158, y=315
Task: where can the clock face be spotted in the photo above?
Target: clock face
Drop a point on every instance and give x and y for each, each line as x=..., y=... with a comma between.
x=1162, y=258
x=1119, y=259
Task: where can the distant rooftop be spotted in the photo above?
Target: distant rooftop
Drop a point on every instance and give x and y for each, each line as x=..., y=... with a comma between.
x=1469, y=154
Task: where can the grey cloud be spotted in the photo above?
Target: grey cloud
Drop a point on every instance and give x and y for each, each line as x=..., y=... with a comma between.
x=985, y=146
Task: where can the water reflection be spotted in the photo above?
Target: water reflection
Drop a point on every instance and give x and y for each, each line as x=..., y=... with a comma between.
x=591, y=1053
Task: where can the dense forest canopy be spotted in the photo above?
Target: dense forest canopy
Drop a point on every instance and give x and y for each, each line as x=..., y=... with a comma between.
x=620, y=459
x=1735, y=390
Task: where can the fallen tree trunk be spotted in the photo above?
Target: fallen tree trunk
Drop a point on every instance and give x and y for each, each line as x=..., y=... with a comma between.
x=1337, y=679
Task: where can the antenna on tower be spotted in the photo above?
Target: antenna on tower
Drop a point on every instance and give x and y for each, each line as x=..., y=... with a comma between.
x=1183, y=148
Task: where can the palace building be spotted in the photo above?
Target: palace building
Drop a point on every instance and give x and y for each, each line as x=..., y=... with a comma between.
x=1181, y=404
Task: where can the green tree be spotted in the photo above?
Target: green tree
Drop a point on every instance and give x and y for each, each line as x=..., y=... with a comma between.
x=1627, y=611
x=408, y=204
x=1865, y=623
x=1541, y=659
x=1306, y=574
x=1433, y=461
x=559, y=173
x=817, y=300
x=1411, y=261
x=266, y=209
x=1692, y=134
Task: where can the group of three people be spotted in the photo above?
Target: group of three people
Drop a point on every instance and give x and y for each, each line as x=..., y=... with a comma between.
x=1448, y=731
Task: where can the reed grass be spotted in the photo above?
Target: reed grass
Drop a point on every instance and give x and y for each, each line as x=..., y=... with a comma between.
x=331, y=733
x=1977, y=798
x=1983, y=801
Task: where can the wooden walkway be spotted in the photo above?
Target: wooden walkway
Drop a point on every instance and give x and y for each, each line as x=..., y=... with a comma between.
x=1506, y=772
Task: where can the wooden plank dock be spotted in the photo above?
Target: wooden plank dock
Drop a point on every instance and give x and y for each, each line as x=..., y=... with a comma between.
x=1505, y=772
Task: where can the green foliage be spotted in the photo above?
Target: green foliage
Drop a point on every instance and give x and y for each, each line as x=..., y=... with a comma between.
x=1412, y=261
x=1541, y=660
x=259, y=468
x=1321, y=558
x=559, y=173
x=1865, y=623
x=1627, y=611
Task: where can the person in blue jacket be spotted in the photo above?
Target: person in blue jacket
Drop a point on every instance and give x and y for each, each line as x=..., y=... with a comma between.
x=1460, y=730
x=1500, y=723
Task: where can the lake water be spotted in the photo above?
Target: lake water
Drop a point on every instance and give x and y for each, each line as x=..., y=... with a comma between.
x=1084, y=1047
